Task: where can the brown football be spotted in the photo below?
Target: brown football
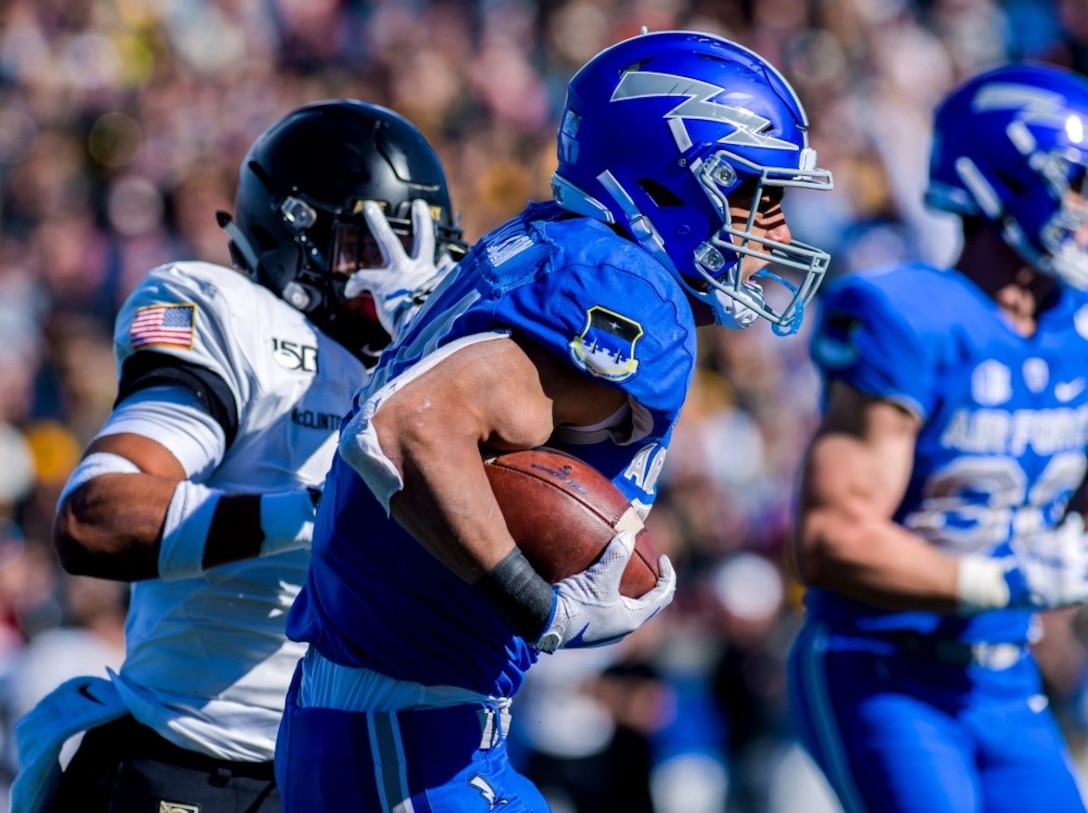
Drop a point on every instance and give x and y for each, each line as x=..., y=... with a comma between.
x=562, y=512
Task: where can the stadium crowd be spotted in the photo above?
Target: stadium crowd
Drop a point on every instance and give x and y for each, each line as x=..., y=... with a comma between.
x=122, y=123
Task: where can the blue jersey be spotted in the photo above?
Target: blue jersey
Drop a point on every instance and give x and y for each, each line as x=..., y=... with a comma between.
x=375, y=597
x=1005, y=419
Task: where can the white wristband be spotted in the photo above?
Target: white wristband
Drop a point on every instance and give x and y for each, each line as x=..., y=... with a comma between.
x=92, y=466
x=980, y=584
x=287, y=519
x=185, y=532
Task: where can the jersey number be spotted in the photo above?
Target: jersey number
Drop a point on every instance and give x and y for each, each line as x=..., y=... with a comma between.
x=976, y=503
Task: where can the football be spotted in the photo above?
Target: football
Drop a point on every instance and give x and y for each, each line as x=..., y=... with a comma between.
x=562, y=512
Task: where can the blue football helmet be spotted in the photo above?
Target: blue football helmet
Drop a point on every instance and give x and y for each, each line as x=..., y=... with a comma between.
x=1008, y=146
x=659, y=131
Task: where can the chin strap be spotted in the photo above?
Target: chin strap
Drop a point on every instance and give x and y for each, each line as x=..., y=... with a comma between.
x=227, y=224
x=796, y=313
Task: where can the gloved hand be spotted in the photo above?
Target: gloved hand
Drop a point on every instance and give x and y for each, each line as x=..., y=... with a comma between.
x=395, y=285
x=588, y=609
x=1051, y=568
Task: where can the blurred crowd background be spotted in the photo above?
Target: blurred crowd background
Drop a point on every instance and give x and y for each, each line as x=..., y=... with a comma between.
x=122, y=123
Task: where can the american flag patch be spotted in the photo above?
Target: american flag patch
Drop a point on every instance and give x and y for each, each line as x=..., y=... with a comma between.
x=163, y=325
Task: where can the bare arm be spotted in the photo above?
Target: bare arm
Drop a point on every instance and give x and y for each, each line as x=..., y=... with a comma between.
x=854, y=477
x=500, y=394
x=111, y=527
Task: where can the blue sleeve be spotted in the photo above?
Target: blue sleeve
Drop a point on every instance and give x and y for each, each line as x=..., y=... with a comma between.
x=621, y=324
x=866, y=341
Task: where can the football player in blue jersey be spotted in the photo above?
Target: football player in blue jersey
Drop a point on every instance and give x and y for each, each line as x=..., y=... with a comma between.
x=571, y=325
x=933, y=503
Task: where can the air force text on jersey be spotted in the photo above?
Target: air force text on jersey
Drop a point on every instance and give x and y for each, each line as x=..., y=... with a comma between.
x=1014, y=432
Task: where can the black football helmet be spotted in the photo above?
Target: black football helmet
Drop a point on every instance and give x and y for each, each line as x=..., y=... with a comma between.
x=298, y=225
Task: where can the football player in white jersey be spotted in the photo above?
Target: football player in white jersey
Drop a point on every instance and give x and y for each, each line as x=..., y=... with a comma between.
x=201, y=486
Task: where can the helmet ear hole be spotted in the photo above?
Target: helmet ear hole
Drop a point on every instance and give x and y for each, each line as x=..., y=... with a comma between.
x=661, y=195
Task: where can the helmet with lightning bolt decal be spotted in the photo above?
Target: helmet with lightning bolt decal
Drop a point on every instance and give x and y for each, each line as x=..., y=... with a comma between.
x=659, y=135
x=1009, y=145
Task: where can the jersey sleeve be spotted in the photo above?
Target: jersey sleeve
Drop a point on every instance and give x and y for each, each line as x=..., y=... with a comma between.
x=617, y=323
x=177, y=327
x=865, y=341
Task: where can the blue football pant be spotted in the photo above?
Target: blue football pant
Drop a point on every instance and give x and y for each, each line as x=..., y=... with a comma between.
x=899, y=734
x=421, y=761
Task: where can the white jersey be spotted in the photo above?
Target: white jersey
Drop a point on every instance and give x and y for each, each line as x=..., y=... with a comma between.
x=207, y=662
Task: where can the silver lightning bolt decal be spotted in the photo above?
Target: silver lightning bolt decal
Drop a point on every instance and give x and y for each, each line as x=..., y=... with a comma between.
x=1033, y=105
x=1036, y=103
x=487, y=792
x=696, y=104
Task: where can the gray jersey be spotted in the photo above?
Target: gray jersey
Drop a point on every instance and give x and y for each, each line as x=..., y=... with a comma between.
x=207, y=661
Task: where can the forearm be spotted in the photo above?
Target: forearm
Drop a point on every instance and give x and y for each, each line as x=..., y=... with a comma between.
x=854, y=477
x=448, y=506
x=428, y=435
x=111, y=526
x=131, y=527
x=878, y=562
x=417, y=447
x=462, y=526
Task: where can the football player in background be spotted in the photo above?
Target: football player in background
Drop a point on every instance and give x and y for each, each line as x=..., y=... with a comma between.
x=571, y=325
x=933, y=497
x=201, y=487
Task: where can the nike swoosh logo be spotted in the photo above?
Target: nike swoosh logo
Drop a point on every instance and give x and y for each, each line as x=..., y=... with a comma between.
x=577, y=639
x=1068, y=390
x=85, y=691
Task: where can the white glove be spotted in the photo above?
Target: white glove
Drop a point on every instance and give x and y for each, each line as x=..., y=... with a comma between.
x=588, y=609
x=399, y=286
x=1047, y=570
x=1052, y=567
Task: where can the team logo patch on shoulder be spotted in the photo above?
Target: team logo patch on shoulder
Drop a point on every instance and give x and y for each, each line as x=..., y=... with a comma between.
x=163, y=326
x=606, y=347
